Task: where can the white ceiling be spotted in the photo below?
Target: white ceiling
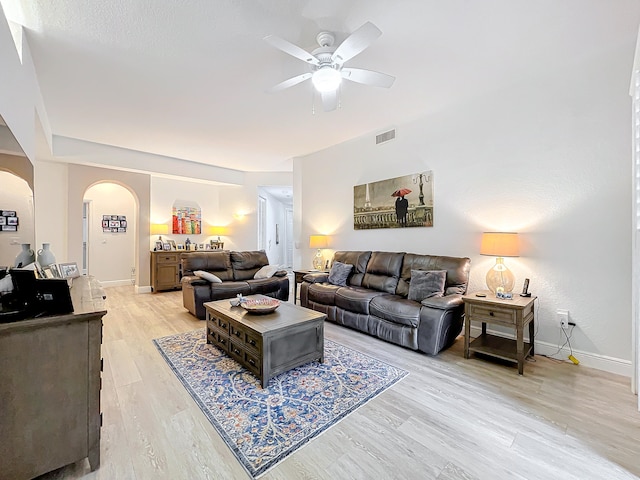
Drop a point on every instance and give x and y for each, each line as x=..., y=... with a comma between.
x=187, y=79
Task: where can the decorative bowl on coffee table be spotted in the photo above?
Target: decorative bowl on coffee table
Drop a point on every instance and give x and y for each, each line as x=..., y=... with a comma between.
x=260, y=305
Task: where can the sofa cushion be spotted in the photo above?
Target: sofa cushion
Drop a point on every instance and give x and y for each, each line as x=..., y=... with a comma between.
x=359, y=261
x=457, y=272
x=383, y=271
x=263, y=285
x=246, y=264
x=266, y=272
x=426, y=284
x=323, y=293
x=229, y=289
x=355, y=299
x=208, y=276
x=396, y=309
x=339, y=273
x=218, y=263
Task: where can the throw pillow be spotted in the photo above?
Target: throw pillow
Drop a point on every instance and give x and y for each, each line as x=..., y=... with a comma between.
x=207, y=276
x=426, y=284
x=339, y=273
x=266, y=272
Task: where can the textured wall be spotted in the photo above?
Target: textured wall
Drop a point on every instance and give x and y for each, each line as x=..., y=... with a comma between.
x=550, y=159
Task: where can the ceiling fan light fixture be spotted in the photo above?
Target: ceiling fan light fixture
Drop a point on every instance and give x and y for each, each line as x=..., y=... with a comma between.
x=326, y=79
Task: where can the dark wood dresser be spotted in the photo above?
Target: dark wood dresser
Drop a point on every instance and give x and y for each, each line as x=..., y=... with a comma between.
x=50, y=384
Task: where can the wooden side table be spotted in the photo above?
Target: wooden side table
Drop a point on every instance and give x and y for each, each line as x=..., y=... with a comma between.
x=516, y=313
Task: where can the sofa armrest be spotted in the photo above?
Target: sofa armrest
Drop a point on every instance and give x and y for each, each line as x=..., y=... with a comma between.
x=193, y=280
x=443, y=303
x=280, y=273
x=316, y=277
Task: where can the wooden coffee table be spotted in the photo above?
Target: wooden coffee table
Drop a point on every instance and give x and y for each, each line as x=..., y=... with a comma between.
x=268, y=344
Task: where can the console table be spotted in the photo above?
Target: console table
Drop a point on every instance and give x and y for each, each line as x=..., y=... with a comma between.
x=50, y=388
x=515, y=313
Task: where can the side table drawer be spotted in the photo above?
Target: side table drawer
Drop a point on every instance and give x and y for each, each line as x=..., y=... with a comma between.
x=167, y=257
x=492, y=314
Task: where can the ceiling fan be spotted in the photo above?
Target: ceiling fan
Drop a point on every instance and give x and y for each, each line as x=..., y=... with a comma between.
x=327, y=63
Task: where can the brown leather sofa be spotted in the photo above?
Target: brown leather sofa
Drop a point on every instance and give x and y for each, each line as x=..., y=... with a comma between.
x=375, y=298
x=236, y=270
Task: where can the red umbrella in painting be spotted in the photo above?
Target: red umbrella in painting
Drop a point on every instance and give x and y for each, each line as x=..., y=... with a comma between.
x=401, y=193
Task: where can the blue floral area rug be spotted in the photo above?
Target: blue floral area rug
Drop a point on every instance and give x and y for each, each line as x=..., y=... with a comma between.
x=263, y=426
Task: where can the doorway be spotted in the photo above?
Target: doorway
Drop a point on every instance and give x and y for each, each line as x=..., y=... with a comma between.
x=275, y=224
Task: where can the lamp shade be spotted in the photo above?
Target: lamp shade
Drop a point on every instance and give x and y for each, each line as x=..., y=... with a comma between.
x=318, y=241
x=159, y=229
x=217, y=230
x=500, y=244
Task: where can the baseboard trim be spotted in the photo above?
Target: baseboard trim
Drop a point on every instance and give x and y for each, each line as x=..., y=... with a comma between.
x=115, y=283
x=587, y=359
x=143, y=289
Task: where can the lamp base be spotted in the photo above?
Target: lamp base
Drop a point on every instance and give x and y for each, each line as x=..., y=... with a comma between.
x=500, y=278
x=318, y=261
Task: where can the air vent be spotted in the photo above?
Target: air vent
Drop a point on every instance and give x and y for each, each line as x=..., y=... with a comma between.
x=386, y=136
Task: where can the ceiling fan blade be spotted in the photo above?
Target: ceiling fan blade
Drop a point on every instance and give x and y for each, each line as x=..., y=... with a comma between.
x=368, y=77
x=329, y=100
x=289, y=82
x=356, y=42
x=291, y=49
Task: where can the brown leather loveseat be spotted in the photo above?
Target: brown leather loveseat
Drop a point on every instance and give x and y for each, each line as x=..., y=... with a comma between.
x=378, y=298
x=236, y=272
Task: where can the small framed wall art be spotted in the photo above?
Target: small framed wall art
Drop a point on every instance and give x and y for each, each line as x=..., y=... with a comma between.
x=9, y=221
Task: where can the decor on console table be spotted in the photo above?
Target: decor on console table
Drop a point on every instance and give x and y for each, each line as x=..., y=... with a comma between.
x=25, y=257
x=500, y=244
x=391, y=204
x=45, y=256
x=250, y=419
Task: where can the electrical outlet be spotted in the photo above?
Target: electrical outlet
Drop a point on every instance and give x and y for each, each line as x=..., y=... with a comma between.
x=563, y=318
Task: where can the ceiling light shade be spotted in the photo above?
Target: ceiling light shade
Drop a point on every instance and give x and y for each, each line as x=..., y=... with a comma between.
x=500, y=244
x=326, y=79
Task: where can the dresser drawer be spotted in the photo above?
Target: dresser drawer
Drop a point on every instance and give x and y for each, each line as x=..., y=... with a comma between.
x=222, y=324
x=167, y=257
x=492, y=314
x=246, y=337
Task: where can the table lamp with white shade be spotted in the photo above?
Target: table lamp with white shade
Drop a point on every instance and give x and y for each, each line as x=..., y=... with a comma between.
x=500, y=244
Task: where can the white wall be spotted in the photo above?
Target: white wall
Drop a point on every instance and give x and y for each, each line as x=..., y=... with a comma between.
x=111, y=255
x=550, y=159
x=15, y=194
x=233, y=207
x=165, y=192
x=51, y=205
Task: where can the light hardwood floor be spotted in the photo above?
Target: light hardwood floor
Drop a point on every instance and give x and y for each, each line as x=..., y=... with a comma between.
x=450, y=418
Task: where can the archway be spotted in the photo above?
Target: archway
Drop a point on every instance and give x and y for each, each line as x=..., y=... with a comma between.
x=109, y=233
x=15, y=196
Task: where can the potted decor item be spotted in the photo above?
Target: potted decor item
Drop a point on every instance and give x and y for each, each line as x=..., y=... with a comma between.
x=45, y=256
x=26, y=256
